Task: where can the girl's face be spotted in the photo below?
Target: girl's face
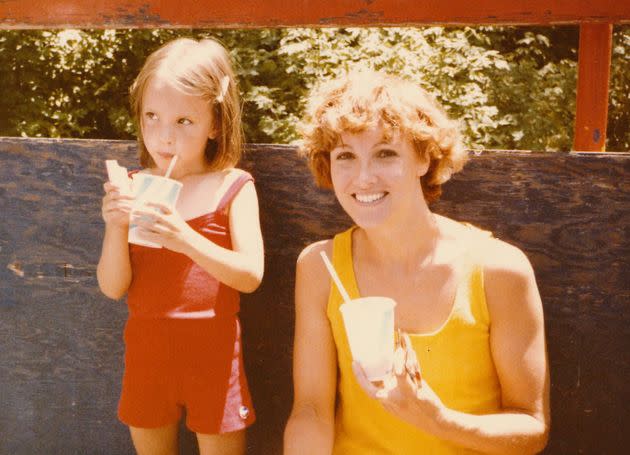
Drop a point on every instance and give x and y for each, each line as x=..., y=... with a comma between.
x=175, y=123
x=376, y=181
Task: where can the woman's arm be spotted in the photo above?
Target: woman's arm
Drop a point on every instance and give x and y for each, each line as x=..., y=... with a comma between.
x=310, y=429
x=517, y=342
x=240, y=268
x=114, y=267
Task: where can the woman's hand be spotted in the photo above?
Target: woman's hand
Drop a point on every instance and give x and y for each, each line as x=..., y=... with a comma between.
x=407, y=395
x=161, y=224
x=116, y=207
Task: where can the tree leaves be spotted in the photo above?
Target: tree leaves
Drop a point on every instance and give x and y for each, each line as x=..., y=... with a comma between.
x=510, y=87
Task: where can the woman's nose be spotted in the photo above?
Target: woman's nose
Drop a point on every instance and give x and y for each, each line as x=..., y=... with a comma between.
x=365, y=174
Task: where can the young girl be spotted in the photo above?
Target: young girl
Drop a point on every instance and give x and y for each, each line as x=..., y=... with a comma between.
x=182, y=338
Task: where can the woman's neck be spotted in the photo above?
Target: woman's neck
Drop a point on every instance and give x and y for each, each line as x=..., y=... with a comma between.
x=411, y=241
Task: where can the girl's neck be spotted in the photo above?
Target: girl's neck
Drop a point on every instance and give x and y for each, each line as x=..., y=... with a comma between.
x=180, y=172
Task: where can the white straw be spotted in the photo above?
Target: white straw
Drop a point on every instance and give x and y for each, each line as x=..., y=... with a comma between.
x=171, y=166
x=335, y=277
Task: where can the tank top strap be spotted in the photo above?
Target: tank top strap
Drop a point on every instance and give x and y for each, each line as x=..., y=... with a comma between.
x=233, y=190
x=475, y=278
x=342, y=262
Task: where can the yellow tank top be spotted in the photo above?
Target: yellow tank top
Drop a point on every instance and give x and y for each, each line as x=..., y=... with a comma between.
x=455, y=361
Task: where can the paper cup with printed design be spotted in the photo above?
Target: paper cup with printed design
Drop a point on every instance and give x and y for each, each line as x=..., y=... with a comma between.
x=150, y=188
x=369, y=323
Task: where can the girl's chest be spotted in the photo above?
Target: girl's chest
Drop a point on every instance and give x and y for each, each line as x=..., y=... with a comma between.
x=198, y=198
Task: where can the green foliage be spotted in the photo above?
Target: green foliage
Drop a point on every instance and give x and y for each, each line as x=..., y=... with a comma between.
x=510, y=87
x=619, y=100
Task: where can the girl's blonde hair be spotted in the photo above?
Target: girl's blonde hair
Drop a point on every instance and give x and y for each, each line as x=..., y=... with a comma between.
x=199, y=68
x=365, y=99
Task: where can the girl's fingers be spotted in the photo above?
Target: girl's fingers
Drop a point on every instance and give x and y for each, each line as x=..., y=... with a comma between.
x=165, y=209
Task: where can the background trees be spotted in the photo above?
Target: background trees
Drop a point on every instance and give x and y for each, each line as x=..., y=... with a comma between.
x=510, y=87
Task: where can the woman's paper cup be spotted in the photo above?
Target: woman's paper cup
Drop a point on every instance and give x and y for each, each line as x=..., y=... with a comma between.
x=369, y=323
x=150, y=188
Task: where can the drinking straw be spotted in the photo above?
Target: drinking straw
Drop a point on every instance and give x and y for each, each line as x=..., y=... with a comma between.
x=335, y=277
x=171, y=166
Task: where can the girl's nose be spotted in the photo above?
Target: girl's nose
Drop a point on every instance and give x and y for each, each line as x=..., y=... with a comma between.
x=166, y=135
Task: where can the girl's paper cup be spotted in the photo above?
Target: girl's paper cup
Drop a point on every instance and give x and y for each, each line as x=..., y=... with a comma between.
x=369, y=323
x=151, y=188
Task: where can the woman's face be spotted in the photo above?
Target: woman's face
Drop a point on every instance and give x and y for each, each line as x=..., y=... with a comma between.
x=376, y=180
x=175, y=123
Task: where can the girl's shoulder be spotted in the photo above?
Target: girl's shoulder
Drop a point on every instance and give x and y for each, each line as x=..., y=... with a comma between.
x=225, y=177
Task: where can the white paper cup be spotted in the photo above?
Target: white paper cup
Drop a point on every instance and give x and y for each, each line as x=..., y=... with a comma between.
x=150, y=188
x=369, y=323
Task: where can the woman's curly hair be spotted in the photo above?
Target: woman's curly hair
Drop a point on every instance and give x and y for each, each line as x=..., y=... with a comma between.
x=361, y=100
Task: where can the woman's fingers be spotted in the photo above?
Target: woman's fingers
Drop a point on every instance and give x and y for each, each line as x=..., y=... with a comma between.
x=363, y=381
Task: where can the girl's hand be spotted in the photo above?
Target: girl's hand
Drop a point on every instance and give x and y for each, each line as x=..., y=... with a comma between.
x=116, y=207
x=408, y=396
x=161, y=224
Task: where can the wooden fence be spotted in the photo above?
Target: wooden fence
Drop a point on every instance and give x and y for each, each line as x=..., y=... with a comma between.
x=61, y=341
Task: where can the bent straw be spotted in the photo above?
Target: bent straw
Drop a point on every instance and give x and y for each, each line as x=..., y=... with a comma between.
x=335, y=277
x=170, y=166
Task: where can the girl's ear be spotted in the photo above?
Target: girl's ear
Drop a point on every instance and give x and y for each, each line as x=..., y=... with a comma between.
x=214, y=131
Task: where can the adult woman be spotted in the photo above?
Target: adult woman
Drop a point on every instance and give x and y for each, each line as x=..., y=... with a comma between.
x=468, y=301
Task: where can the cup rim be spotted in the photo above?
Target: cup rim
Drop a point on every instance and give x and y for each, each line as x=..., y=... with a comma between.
x=391, y=303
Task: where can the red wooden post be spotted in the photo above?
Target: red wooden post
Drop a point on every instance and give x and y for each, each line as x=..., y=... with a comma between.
x=276, y=13
x=592, y=87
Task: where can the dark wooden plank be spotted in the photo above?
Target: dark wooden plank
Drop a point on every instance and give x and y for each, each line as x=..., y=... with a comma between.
x=61, y=345
x=591, y=111
x=275, y=13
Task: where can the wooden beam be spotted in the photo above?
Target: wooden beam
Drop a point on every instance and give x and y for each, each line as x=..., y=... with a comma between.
x=277, y=13
x=591, y=114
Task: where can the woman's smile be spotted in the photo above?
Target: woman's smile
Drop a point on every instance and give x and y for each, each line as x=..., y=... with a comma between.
x=370, y=198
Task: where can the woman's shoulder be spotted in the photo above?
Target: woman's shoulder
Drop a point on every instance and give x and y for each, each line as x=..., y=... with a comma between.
x=312, y=279
x=489, y=250
x=310, y=256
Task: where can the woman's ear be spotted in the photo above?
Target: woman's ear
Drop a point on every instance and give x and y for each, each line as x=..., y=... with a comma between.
x=423, y=164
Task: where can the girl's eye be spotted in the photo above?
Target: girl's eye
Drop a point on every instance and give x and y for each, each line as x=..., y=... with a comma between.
x=184, y=121
x=387, y=153
x=150, y=115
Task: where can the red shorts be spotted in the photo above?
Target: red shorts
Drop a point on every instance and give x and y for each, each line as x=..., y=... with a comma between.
x=196, y=364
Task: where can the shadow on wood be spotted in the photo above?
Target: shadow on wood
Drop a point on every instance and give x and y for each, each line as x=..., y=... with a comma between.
x=61, y=341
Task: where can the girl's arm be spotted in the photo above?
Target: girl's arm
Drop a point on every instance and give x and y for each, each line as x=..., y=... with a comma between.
x=114, y=267
x=241, y=268
x=310, y=429
x=517, y=342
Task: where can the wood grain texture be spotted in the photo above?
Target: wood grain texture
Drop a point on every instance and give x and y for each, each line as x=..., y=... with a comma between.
x=61, y=341
x=277, y=13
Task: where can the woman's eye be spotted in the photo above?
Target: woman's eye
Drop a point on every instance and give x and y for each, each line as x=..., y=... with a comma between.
x=344, y=156
x=184, y=121
x=387, y=153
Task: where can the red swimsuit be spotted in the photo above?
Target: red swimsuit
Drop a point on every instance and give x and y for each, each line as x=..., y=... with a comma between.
x=182, y=339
